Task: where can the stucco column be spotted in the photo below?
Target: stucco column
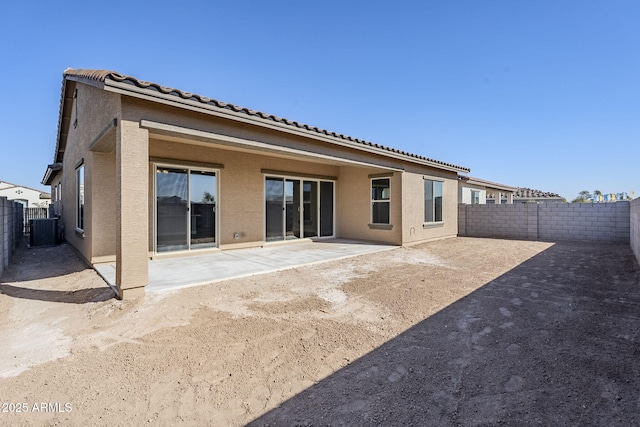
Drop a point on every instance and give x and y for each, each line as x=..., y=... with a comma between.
x=132, y=222
x=509, y=198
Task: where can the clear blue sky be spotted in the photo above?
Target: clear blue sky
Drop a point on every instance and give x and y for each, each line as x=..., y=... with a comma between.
x=541, y=94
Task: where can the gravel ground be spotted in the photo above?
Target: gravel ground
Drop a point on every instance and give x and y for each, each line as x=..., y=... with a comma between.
x=460, y=331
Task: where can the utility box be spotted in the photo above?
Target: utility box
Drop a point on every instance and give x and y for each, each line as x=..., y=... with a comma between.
x=43, y=232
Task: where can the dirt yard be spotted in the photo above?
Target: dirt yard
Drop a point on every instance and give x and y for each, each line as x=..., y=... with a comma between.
x=455, y=332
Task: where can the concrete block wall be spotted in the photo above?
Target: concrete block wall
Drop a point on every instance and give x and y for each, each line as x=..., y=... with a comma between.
x=515, y=221
x=10, y=230
x=551, y=221
x=584, y=221
x=635, y=227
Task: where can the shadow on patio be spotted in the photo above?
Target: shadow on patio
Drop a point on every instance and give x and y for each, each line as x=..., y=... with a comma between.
x=555, y=341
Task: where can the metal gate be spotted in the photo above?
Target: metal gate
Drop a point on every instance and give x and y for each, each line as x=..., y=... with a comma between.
x=33, y=213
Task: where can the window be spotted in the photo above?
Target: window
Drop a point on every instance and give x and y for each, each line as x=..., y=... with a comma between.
x=432, y=201
x=475, y=197
x=380, y=201
x=80, y=197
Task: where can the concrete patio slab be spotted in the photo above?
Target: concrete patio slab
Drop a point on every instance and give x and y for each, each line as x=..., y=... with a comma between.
x=182, y=272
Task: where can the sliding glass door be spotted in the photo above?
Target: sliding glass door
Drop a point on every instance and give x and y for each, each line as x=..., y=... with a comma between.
x=296, y=208
x=172, y=209
x=326, y=209
x=274, y=195
x=203, y=197
x=310, y=208
x=185, y=209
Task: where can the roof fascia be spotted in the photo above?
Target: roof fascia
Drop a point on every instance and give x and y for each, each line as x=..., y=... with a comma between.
x=91, y=82
x=50, y=174
x=489, y=184
x=63, y=120
x=154, y=96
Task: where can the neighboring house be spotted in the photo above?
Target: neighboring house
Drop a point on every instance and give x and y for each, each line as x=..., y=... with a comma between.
x=527, y=195
x=28, y=197
x=612, y=197
x=150, y=171
x=474, y=191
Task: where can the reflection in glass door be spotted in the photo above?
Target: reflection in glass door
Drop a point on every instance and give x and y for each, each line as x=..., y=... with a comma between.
x=292, y=209
x=185, y=209
x=326, y=209
x=310, y=208
x=171, y=209
x=202, y=190
x=274, y=196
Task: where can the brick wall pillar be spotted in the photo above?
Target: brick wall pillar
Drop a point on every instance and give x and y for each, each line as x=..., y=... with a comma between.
x=132, y=222
x=462, y=219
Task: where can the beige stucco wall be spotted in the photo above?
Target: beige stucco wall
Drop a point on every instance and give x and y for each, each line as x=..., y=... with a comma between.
x=93, y=109
x=354, y=206
x=414, y=229
x=103, y=204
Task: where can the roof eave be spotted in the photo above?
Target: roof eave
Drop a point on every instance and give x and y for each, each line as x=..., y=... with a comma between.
x=489, y=184
x=50, y=173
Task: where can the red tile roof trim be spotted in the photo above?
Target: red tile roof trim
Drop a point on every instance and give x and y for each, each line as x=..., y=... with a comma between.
x=104, y=75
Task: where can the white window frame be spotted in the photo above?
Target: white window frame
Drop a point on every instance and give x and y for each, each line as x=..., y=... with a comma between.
x=80, y=197
x=475, y=197
x=433, y=212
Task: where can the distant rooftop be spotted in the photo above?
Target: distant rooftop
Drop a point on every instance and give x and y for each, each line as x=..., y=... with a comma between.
x=4, y=185
x=523, y=193
x=528, y=193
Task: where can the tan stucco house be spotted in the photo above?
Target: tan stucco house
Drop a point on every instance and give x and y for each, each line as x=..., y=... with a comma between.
x=147, y=171
x=476, y=191
x=28, y=197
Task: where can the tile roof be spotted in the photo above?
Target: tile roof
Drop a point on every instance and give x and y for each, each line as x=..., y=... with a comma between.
x=104, y=76
x=528, y=193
